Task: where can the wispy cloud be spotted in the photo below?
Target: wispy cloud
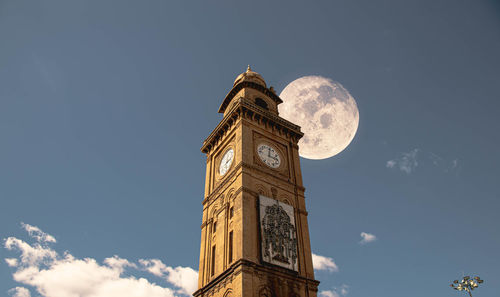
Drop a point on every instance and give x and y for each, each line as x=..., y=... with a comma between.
x=335, y=292
x=37, y=234
x=53, y=274
x=367, y=237
x=329, y=293
x=446, y=165
x=19, y=292
x=324, y=263
x=406, y=162
x=31, y=255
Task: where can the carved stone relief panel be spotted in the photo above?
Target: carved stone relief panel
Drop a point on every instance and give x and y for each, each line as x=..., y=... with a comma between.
x=278, y=233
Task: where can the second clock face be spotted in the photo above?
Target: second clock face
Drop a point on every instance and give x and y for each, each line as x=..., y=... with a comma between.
x=226, y=161
x=269, y=155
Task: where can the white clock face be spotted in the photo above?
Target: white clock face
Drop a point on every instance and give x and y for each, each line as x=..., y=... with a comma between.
x=269, y=155
x=226, y=161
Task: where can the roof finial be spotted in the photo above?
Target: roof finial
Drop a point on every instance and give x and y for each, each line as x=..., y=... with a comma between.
x=248, y=68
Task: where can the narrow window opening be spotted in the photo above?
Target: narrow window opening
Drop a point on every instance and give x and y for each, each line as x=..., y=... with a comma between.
x=230, y=252
x=260, y=102
x=214, y=228
x=213, y=262
x=231, y=212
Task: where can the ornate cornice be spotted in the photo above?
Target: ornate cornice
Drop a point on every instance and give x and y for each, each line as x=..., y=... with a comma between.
x=219, y=131
x=245, y=109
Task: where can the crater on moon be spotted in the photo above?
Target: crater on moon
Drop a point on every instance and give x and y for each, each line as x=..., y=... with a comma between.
x=326, y=112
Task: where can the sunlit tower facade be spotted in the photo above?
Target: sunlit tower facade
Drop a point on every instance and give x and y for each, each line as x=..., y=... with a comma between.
x=254, y=232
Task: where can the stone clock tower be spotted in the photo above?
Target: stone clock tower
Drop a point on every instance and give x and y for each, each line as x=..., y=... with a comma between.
x=254, y=234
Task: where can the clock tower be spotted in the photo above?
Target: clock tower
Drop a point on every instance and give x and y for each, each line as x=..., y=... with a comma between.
x=254, y=232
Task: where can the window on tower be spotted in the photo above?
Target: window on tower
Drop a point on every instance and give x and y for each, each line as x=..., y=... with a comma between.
x=262, y=103
x=214, y=228
x=212, y=272
x=231, y=212
x=230, y=249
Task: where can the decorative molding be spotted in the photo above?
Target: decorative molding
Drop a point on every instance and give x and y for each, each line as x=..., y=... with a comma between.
x=244, y=109
x=247, y=266
x=228, y=122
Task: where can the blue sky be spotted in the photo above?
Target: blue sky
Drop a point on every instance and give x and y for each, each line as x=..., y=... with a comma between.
x=104, y=106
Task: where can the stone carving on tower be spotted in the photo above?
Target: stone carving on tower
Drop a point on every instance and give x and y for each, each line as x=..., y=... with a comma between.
x=279, y=242
x=253, y=245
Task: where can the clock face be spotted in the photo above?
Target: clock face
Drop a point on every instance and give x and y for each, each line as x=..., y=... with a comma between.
x=226, y=161
x=269, y=155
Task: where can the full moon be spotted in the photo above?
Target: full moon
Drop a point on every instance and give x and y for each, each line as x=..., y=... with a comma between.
x=326, y=112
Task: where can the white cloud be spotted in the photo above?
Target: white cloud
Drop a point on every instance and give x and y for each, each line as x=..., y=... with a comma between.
x=329, y=293
x=55, y=275
x=38, y=234
x=367, y=237
x=85, y=277
x=19, y=292
x=324, y=263
x=185, y=278
x=30, y=254
x=118, y=263
x=407, y=162
x=336, y=292
x=12, y=262
x=154, y=266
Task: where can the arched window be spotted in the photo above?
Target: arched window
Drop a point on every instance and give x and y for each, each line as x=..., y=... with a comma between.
x=261, y=102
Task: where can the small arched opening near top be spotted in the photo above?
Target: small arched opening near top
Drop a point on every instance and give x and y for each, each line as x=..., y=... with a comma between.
x=261, y=103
